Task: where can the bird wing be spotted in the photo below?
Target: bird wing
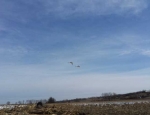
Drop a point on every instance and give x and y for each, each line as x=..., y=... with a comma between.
x=78, y=66
x=71, y=63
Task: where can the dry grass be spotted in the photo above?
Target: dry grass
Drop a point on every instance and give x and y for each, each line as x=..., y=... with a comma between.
x=71, y=109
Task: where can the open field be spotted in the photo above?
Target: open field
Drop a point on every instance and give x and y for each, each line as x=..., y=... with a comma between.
x=136, y=108
x=120, y=102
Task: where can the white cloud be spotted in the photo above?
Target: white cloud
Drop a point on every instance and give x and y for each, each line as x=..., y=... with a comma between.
x=135, y=6
x=126, y=52
x=91, y=52
x=130, y=44
x=95, y=7
x=145, y=52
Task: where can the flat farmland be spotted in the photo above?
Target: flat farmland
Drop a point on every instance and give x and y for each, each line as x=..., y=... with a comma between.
x=137, y=107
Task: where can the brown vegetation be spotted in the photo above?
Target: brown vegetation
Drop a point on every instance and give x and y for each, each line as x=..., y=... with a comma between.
x=79, y=109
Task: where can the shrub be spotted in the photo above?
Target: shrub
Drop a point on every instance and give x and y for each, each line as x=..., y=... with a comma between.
x=51, y=100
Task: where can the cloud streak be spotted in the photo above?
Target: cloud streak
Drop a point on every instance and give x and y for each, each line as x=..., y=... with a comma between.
x=95, y=7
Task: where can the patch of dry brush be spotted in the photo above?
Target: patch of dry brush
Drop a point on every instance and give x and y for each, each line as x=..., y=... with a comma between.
x=72, y=109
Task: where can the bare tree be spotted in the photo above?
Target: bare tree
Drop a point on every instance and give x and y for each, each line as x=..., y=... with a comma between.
x=108, y=96
x=51, y=100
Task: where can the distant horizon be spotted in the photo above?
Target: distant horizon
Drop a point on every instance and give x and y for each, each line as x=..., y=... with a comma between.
x=107, y=41
x=71, y=98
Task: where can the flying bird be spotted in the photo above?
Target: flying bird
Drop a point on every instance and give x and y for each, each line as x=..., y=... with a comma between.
x=78, y=66
x=71, y=62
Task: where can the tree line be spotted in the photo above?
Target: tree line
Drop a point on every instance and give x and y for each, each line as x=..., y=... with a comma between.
x=33, y=101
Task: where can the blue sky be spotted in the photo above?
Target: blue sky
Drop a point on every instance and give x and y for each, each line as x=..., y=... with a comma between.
x=110, y=40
